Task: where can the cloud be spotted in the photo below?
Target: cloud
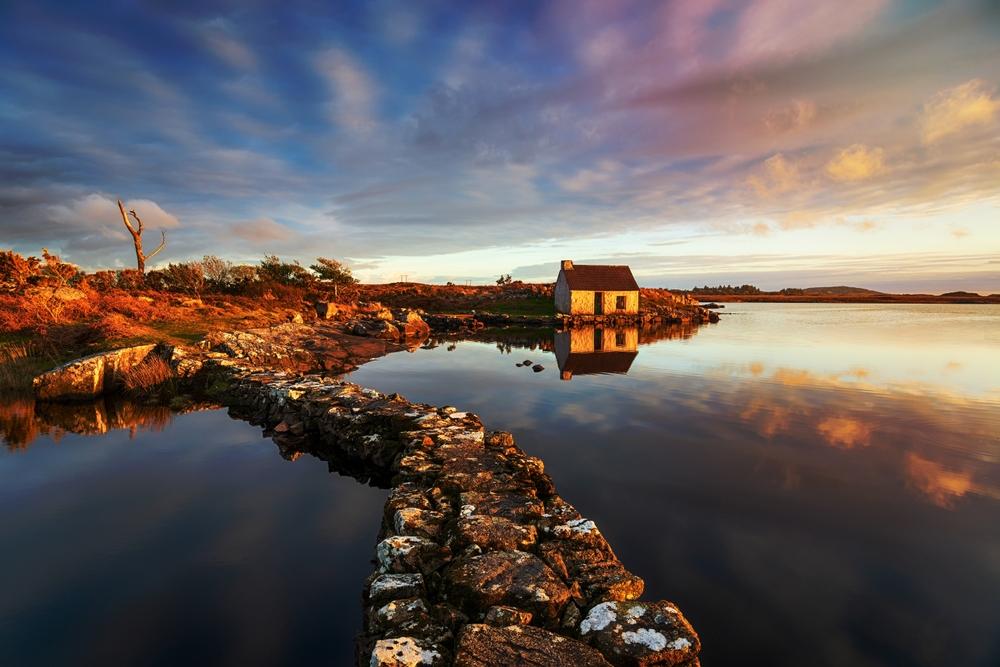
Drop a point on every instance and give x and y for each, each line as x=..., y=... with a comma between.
x=352, y=89
x=786, y=28
x=261, y=229
x=955, y=109
x=217, y=38
x=98, y=212
x=856, y=163
x=845, y=432
x=941, y=485
x=778, y=175
x=796, y=115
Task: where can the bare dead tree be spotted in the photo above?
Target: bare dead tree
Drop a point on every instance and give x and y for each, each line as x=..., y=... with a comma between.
x=136, y=232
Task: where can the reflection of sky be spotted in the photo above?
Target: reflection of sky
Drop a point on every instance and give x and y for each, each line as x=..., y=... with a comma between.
x=810, y=492
x=199, y=540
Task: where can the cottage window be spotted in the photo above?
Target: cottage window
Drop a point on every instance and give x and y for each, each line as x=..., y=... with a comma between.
x=620, y=336
x=620, y=303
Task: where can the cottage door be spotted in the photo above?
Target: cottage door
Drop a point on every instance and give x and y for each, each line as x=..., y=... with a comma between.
x=598, y=303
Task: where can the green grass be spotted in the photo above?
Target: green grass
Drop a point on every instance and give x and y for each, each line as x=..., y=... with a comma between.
x=532, y=306
x=188, y=332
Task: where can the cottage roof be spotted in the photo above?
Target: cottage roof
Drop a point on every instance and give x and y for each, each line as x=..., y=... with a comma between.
x=601, y=278
x=589, y=363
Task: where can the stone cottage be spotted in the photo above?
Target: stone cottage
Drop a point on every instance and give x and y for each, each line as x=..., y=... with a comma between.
x=595, y=289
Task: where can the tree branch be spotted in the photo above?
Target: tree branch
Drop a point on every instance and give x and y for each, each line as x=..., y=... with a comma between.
x=136, y=216
x=128, y=225
x=163, y=243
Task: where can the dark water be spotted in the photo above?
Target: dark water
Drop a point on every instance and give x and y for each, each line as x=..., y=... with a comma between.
x=186, y=541
x=813, y=484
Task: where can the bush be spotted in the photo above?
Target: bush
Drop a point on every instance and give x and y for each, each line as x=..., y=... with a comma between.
x=184, y=277
x=333, y=272
x=16, y=271
x=56, y=272
x=273, y=270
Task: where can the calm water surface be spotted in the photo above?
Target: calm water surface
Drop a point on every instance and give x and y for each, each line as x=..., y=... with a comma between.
x=189, y=541
x=813, y=484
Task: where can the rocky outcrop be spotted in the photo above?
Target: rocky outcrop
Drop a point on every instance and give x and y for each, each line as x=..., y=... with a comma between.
x=486, y=646
x=478, y=561
x=394, y=325
x=89, y=377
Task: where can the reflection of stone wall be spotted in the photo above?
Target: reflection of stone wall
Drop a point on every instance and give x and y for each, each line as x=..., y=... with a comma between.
x=22, y=420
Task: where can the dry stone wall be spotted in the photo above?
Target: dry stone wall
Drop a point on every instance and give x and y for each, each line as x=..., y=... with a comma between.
x=479, y=561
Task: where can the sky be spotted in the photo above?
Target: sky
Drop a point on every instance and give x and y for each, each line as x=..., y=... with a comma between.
x=776, y=142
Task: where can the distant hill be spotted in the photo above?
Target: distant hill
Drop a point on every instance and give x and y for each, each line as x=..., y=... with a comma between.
x=962, y=294
x=839, y=290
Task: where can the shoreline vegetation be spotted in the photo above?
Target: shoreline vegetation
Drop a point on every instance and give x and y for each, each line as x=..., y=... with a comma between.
x=836, y=294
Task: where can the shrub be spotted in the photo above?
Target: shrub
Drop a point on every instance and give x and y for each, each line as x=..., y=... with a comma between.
x=17, y=271
x=57, y=272
x=184, y=277
x=273, y=270
x=333, y=272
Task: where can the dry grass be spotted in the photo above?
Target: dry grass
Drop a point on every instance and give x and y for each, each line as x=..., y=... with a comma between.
x=19, y=363
x=152, y=373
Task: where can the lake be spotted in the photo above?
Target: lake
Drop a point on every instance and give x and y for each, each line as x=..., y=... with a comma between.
x=186, y=541
x=812, y=484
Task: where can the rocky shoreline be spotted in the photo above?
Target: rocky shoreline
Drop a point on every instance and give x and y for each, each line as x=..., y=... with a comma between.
x=479, y=560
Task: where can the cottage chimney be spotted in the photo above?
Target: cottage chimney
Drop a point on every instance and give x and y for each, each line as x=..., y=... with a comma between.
x=567, y=264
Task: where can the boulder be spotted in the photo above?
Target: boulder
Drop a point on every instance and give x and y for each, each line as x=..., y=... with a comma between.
x=495, y=533
x=405, y=652
x=404, y=553
x=502, y=617
x=487, y=646
x=640, y=633
x=509, y=578
x=387, y=587
x=326, y=309
x=90, y=376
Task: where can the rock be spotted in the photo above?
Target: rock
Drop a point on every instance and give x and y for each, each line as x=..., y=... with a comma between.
x=405, y=652
x=510, y=578
x=296, y=318
x=487, y=646
x=640, y=633
x=386, y=587
x=91, y=376
x=526, y=362
x=326, y=309
x=501, y=617
x=419, y=522
x=494, y=533
x=538, y=368
x=405, y=553
x=385, y=330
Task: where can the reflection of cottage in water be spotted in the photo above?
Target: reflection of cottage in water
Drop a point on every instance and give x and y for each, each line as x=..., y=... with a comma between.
x=589, y=350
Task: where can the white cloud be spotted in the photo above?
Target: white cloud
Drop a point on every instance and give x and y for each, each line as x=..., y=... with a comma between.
x=261, y=229
x=856, y=163
x=955, y=109
x=353, y=91
x=778, y=175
